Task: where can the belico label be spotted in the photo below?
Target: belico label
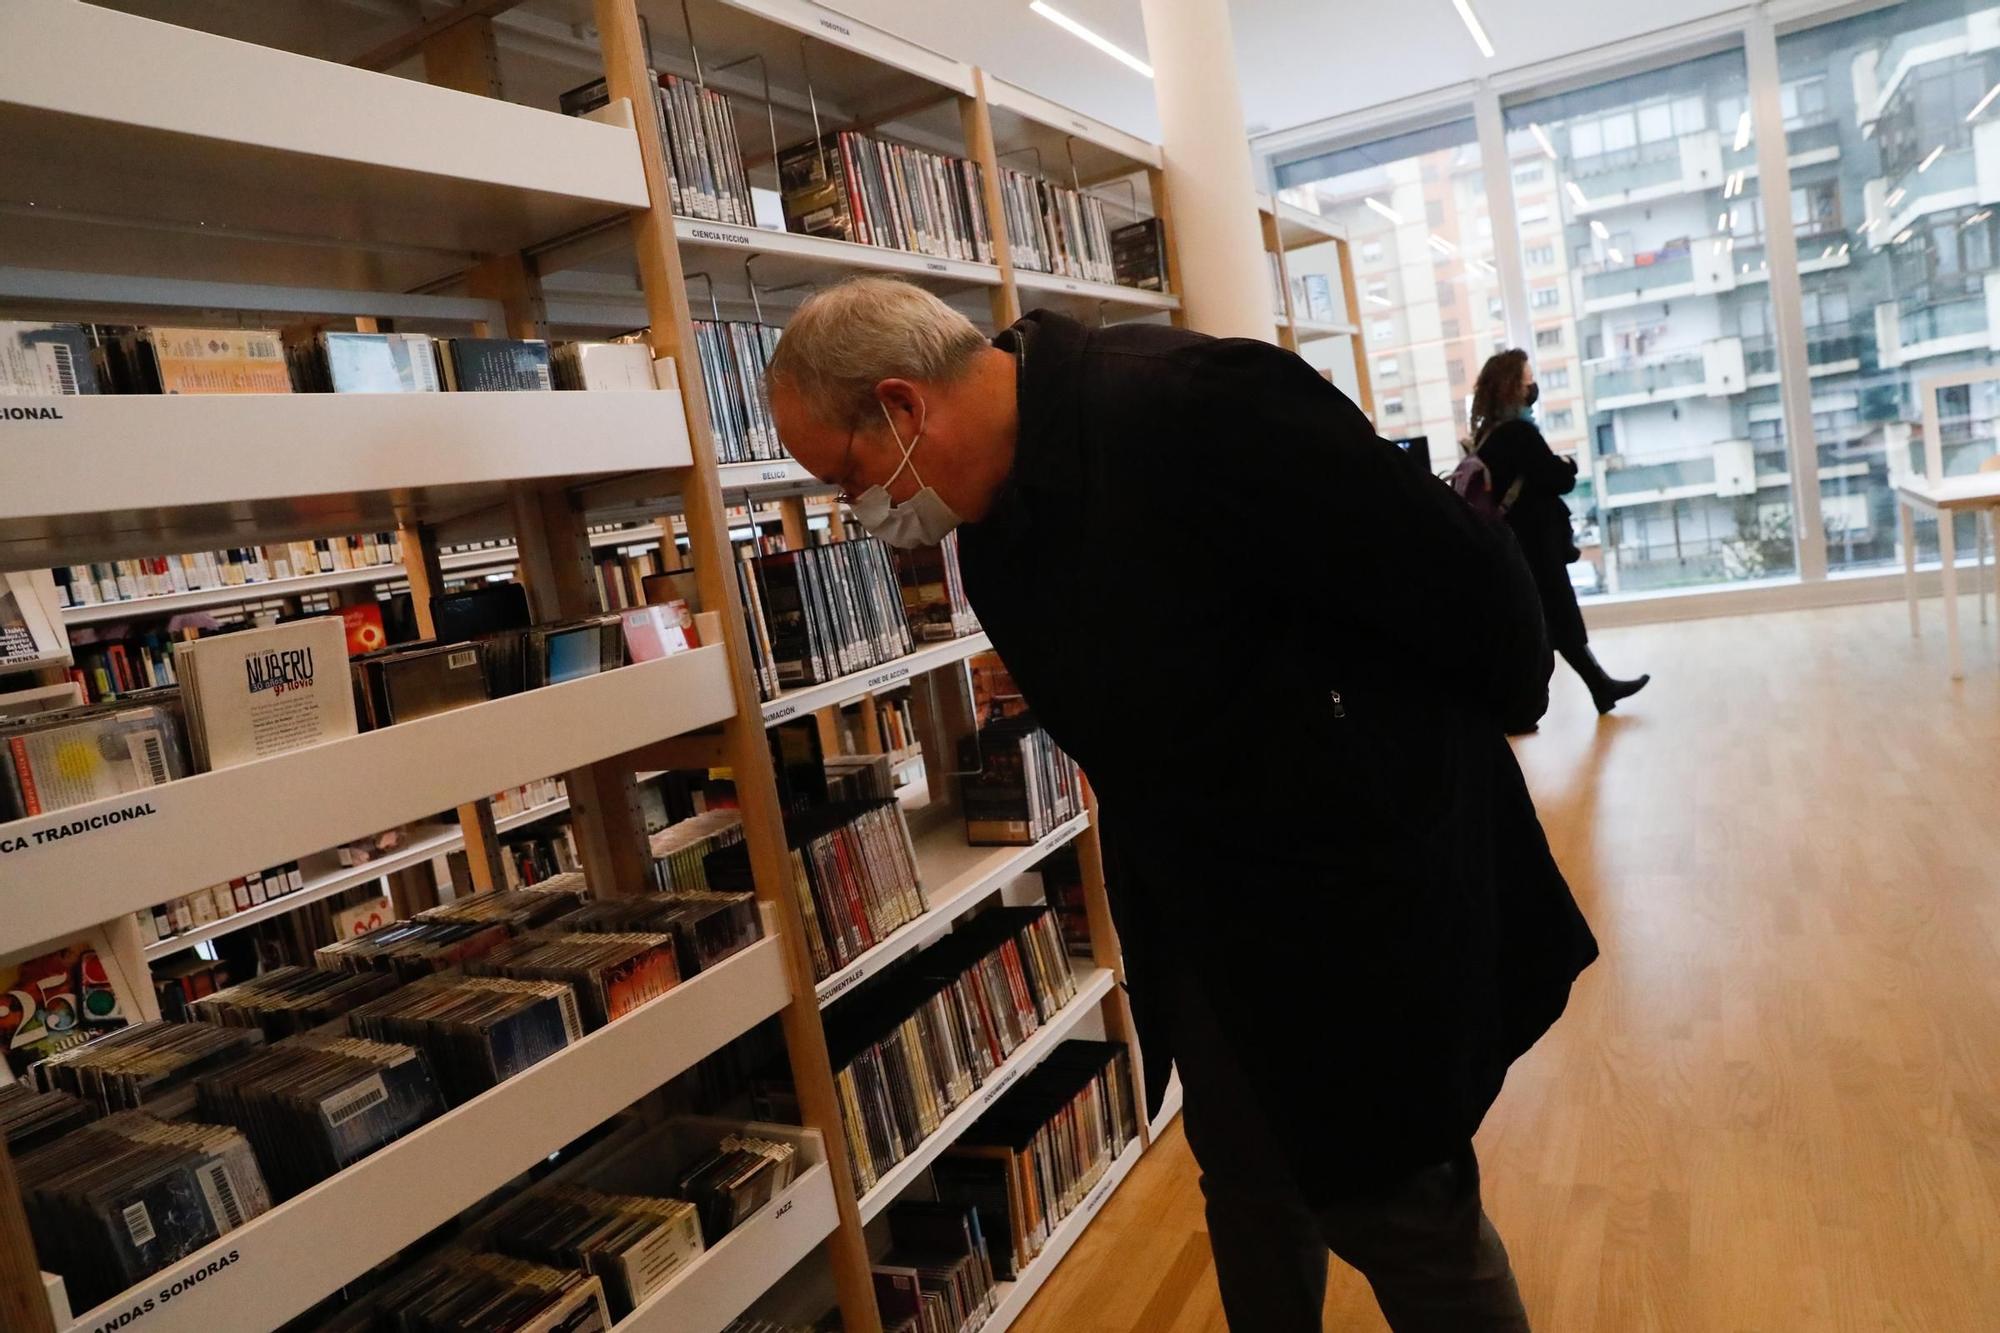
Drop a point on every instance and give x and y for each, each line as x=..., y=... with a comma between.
x=30, y=414
x=57, y=832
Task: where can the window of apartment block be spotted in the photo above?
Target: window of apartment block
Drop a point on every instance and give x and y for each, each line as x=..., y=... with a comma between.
x=1390, y=194
x=1898, y=295
x=1637, y=212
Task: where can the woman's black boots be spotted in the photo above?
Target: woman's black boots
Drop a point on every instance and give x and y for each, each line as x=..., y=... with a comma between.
x=1605, y=691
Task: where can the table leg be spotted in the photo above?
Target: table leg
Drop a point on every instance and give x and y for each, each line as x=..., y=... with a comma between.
x=1906, y=520
x=1948, y=558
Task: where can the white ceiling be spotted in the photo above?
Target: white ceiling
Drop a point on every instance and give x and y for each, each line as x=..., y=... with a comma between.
x=1297, y=60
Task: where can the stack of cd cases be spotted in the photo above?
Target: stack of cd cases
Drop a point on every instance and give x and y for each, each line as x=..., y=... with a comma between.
x=632, y=1243
x=707, y=927
x=612, y=974
x=314, y=1105
x=478, y=1031
x=287, y=1001
x=118, y=1200
x=148, y=1064
x=490, y=1293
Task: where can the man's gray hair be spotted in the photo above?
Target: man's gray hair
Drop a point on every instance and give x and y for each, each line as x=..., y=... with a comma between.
x=846, y=339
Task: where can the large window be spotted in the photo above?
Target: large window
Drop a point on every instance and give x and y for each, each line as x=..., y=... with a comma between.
x=1906, y=291
x=1416, y=204
x=1652, y=206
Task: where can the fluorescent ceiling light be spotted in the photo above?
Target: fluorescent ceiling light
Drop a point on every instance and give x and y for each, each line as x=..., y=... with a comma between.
x=1599, y=230
x=1870, y=225
x=1473, y=26
x=1976, y=219
x=1616, y=258
x=1379, y=300
x=1931, y=160
x=1843, y=250
x=1895, y=198
x=1906, y=234
x=1098, y=40
x=1384, y=209
x=1576, y=193
x=1826, y=253
x=1984, y=102
x=1730, y=245
x=1717, y=248
x=1722, y=220
x=1743, y=131
x=1442, y=246
x=1542, y=138
x=1488, y=266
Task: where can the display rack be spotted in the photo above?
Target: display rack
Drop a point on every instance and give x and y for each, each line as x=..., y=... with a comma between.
x=1288, y=228
x=357, y=194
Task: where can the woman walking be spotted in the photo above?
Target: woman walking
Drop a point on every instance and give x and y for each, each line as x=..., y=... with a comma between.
x=1529, y=481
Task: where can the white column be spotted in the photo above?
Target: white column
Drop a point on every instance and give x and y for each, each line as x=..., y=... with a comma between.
x=1499, y=170
x=1225, y=277
x=1781, y=251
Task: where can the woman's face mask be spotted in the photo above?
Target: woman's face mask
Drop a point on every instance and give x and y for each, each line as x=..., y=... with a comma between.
x=1532, y=395
x=922, y=520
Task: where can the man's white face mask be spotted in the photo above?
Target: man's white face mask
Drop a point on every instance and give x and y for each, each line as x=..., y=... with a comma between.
x=922, y=520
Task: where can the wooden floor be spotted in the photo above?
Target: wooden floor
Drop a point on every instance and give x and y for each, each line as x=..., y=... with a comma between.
x=1774, y=1103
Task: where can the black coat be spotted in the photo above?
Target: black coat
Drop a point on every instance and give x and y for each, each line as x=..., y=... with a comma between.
x=1540, y=519
x=1281, y=651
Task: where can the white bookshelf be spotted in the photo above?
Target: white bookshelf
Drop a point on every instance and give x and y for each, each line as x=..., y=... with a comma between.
x=728, y=1276
x=1309, y=330
x=1170, y=1106
x=1093, y=984
x=307, y=800
x=309, y=1246
x=789, y=257
x=119, y=475
x=357, y=193
x=1015, y=1295
x=131, y=138
x=846, y=689
x=433, y=842
x=956, y=877
x=174, y=603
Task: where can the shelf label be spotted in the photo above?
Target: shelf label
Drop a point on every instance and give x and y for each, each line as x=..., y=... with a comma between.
x=1071, y=287
x=783, y=1208
x=65, y=828
x=775, y=474
x=781, y=713
x=881, y=678
x=850, y=979
x=999, y=1087
x=1096, y=1198
x=143, y=1306
x=1081, y=126
x=840, y=28
x=30, y=414
x=937, y=266
x=726, y=237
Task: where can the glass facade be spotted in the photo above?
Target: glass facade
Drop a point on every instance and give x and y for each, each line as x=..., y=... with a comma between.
x=1666, y=291
x=1894, y=148
x=1641, y=221
x=1415, y=212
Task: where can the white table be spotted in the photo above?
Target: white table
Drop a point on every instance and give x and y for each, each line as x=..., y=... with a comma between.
x=1978, y=491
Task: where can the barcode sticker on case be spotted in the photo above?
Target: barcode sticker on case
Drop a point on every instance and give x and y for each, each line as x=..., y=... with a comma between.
x=348, y=1103
x=459, y=661
x=139, y=1223
x=220, y=1191
x=58, y=366
x=149, y=757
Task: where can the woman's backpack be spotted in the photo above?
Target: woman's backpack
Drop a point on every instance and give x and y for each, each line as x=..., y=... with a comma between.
x=1473, y=481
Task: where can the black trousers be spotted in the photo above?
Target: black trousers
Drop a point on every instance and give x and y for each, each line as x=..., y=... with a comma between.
x=1425, y=1244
